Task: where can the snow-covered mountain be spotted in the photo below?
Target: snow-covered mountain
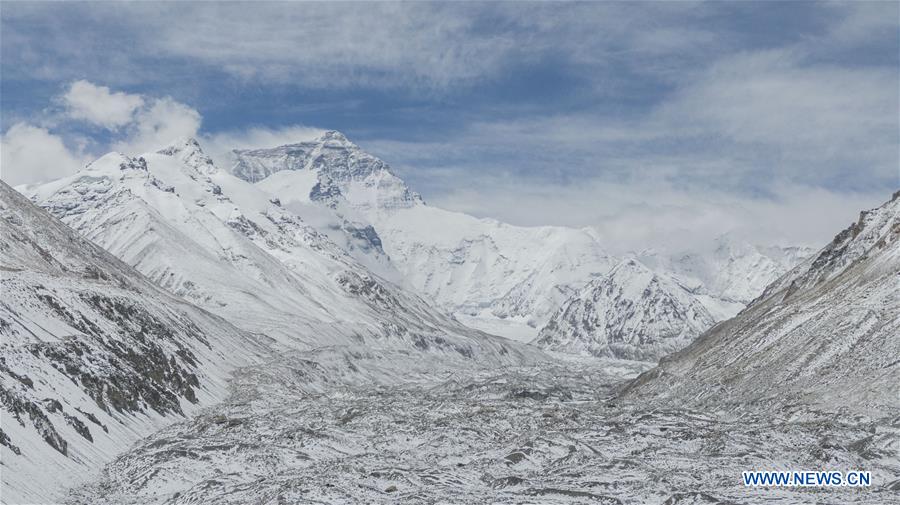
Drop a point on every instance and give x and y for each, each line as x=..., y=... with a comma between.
x=346, y=365
x=827, y=333
x=494, y=276
x=328, y=425
x=93, y=356
x=632, y=312
x=232, y=248
x=653, y=304
x=504, y=279
x=329, y=170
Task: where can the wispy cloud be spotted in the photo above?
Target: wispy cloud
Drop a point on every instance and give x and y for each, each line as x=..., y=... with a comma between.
x=655, y=214
x=45, y=149
x=219, y=145
x=415, y=45
x=159, y=124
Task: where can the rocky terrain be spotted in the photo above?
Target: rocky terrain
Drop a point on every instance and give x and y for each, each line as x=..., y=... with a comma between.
x=292, y=433
x=328, y=427
x=97, y=354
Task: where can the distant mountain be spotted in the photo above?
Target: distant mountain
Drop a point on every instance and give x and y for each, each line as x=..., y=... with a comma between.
x=236, y=250
x=729, y=273
x=632, y=312
x=93, y=355
x=500, y=278
x=825, y=334
x=332, y=170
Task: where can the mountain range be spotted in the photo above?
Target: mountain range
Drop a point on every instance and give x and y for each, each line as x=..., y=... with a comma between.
x=504, y=279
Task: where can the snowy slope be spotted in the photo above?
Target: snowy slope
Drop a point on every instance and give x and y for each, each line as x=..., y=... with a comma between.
x=93, y=355
x=827, y=333
x=631, y=313
x=232, y=248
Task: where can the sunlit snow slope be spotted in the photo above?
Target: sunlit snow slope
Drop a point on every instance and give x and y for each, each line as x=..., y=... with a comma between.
x=495, y=276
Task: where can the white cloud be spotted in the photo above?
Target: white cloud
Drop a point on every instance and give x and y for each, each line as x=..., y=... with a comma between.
x=155, y=126
x=859, y=22
x=31, y=154
x=752, y=122
x=36, y=153
x=99, y=105
x=332, y=46
x=759, y=137
x=142, y=124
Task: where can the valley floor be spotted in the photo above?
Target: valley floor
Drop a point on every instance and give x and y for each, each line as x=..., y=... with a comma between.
x=336, y=426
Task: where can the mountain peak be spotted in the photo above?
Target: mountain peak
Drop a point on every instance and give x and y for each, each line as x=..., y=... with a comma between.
x=630, y=267
x=190, y=152
x=632, y=313
x=330, y=166
x=334, y=136
x=181, y=144
x=115, y=162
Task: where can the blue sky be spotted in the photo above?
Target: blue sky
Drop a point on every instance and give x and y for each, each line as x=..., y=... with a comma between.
x=654, y=122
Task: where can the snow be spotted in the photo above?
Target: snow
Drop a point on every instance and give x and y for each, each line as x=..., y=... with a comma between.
x=549, y=433
x=226, y=246
x=295, y=186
